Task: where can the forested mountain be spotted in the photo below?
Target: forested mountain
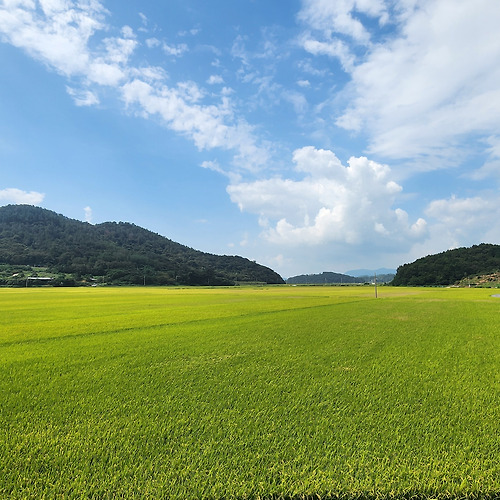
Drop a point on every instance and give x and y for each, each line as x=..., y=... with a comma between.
x=329, y=278
x=448, y=268
x=35, y=241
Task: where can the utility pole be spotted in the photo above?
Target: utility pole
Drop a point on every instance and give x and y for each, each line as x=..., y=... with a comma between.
x=376, y=285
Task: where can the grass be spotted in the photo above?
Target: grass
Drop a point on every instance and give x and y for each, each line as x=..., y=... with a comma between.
x=281, y=392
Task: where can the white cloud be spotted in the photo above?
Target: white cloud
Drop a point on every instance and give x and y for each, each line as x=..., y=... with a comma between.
x=128, y=32
x=215, y=80
x=334, y=29
x=175, y=50
x=149, y=74
x=58, y=35
x=205, y=125
x=466, y=220
x=424, y=89
x=332, y=203
x=337, y=16
x=119, y=50
x=153, y=42
x=491, y=167
x=103, y=73
x=437, y=80
x=83, y=97
x=456, y=222
x=144, y=20
x=331, y=48
x=64, y=34
x=88, y=214
x=17, y=196
x=215, y=167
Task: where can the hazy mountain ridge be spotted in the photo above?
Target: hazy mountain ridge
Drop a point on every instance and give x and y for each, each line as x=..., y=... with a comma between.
x=370, y=272
x=336, y=278
x=72, y=251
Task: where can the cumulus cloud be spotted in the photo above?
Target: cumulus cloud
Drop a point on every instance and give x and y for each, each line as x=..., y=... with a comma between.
x=331, y=203
x=18, y=196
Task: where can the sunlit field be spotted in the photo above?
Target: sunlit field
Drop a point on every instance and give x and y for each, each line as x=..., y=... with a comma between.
x=270, y=392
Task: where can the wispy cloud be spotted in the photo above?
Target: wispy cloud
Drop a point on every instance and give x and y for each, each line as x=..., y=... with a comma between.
x=206, y=125
x=83, y=97
x=339, y=18
x=432, y=81
x=68, y=37
x=175, y=50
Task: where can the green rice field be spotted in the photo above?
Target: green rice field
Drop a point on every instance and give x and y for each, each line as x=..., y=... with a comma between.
x=248, y=393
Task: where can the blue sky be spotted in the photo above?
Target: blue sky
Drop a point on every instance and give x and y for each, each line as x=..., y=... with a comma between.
x=310, y=135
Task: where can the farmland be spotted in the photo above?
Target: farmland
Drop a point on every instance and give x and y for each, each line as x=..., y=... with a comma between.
x=266, y=392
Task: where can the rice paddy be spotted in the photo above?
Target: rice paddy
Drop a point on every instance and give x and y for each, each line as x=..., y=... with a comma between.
x=268, y=392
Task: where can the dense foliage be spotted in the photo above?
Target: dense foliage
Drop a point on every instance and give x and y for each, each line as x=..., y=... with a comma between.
x=450, y=267
x=35, y=241
x=329, y=278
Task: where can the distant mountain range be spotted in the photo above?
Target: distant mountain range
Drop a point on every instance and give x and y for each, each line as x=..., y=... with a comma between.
x=38, y=245
x=370, y=272
x=337, y=278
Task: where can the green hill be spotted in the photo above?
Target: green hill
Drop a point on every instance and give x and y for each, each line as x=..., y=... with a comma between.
x=450, y=267
x=39, y=243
